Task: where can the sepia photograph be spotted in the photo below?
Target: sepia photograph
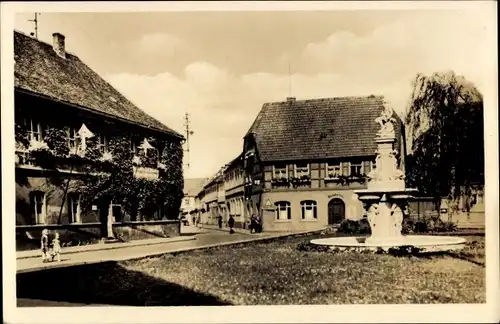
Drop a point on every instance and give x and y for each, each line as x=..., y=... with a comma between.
x=250, y=154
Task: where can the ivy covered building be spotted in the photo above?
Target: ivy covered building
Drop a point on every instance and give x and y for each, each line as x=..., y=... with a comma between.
x=88, y=161
x=304, y=159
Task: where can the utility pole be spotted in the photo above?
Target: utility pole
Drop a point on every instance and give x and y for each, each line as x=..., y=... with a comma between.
x=289, y=80
x=35, y=21
x=188, y=133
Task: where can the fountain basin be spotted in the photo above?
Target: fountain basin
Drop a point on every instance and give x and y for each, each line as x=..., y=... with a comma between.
x=427, y=243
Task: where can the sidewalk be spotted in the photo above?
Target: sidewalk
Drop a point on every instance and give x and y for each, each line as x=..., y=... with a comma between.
x=236, y=230
x=106, y=246
x=201, y=241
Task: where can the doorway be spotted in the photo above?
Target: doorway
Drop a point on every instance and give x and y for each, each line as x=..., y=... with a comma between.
x=336, y=211
x=103, y=217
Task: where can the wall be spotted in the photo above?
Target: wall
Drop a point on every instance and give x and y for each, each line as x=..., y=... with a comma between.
x=28, y=237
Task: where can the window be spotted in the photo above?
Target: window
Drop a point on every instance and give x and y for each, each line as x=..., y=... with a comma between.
x=333, y=170
x=102, y=143
x=280, y=172
x=301, y=170
x=356, y=169
x=37, y=203
x=309, y=209
x=346, y=168
x=22, y=157
x=283, y=210
x=73, y=139
x=133, y=145
x=34, y=128
x=74, y=208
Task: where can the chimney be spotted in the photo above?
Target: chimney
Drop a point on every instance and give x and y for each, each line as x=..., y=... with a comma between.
x=59, y=44
x=290, y=99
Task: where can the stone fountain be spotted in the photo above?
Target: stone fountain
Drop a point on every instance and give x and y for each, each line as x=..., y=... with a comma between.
x=386, y=201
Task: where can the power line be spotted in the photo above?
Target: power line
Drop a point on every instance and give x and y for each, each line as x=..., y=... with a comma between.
x=35, y=21
x=189, y=132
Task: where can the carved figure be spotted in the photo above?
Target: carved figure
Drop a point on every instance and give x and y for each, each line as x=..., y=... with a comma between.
x=386, y=122
x=397, y=215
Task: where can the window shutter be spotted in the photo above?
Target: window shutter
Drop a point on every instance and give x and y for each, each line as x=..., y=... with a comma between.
x=315, y=211
x=289, y=211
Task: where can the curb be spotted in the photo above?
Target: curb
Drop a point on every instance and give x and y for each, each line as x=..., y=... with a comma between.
x=121, y=246
x=156, y=254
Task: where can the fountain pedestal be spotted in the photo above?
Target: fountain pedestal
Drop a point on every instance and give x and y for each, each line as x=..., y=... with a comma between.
x=386, y=199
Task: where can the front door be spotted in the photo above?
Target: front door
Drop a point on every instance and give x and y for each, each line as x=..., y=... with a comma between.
x=103, y=218
x=336, y=211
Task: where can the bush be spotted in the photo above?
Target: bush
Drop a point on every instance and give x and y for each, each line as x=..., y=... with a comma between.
x=354, y=227
x=409, y=226
x=309, y=247
x=428, y=225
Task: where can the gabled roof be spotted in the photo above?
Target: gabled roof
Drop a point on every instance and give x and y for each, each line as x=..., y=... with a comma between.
x=319, y=128
x=193, y=186
x=39, y=70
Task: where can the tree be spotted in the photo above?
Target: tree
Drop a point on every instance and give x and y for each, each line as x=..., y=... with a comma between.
x=445, y=133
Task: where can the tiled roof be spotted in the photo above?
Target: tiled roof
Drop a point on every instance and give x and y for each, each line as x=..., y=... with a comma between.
x=319, y=128
x=39, y=70
x=237, y=160
x=193, y=186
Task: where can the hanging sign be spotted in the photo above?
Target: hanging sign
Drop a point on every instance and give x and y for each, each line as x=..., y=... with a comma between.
x=146, y=173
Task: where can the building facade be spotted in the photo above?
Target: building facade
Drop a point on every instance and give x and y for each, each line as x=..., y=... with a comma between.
x=304, y=159
x=234, y=187
x=190, y=204
x=87, y=160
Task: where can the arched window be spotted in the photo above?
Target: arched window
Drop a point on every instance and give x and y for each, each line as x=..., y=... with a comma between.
x=309, y=209
x=283, y=210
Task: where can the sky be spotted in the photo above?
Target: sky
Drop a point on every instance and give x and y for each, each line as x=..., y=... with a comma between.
x=221, y=67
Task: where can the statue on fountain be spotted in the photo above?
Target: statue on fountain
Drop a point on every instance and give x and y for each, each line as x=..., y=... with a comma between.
x=386, y=123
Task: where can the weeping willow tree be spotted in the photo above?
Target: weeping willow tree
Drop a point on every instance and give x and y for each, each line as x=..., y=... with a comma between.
x=444, y=124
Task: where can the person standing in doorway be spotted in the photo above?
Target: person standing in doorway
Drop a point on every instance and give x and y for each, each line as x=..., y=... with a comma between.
x=220, y=221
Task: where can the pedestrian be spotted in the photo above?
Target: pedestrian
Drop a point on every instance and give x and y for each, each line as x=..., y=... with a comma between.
x=258, y=224
x=253, y=224
x=56, y=248
x=44, y=245
x=230, y=222
x=220, y=221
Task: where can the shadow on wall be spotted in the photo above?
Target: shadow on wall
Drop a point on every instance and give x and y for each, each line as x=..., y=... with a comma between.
x=107, y=283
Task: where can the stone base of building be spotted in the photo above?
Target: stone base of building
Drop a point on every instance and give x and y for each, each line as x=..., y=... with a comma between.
x=28, y=237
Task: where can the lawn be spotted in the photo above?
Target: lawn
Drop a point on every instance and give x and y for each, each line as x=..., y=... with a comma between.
x=278, y=273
